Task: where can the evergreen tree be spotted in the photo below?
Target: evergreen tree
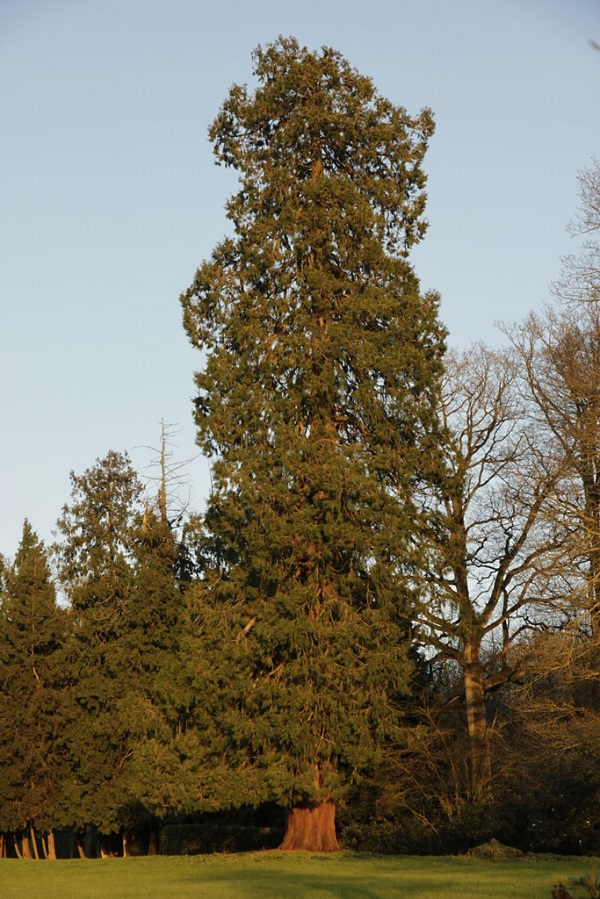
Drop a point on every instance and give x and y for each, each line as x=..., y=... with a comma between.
x=317, y=401
x=96, y=564
x=34, y=708
x=154, y=701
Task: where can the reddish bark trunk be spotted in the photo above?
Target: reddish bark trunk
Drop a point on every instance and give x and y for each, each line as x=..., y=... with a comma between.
x=311, y=829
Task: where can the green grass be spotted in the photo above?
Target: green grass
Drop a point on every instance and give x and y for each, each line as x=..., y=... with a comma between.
x=275, y=875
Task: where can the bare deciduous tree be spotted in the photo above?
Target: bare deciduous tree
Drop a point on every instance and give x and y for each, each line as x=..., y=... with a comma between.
x=491, y=573
x=580, y=281
x=559, y=354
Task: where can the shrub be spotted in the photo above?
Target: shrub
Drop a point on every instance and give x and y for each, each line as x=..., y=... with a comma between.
x=387, y=836
x=199, y=839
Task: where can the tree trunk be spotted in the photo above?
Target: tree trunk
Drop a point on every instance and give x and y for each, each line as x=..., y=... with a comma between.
x=591, y=489
x=51, y=851
x=480, y=762
x=25, y=847
x=33, y=840
x=312, y=829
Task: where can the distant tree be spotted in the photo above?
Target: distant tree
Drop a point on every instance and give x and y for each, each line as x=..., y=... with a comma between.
x=34, y=699
x=556, y=709
x=559, y=354
x=168, y=473
x=95, y=558
x=154, y=699
x=580, y=280
x=119, y=561
x=318, y=402
x=551, y=750
x=495, y=551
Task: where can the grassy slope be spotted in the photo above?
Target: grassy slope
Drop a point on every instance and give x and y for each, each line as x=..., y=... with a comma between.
x=278, y=876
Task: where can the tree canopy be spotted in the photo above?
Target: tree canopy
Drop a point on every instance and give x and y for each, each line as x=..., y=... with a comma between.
x=34, y=709
x=318, y=402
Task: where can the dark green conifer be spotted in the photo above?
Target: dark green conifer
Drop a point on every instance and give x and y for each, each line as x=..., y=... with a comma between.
x=117, y=560
x=96, y=565
x=317, y=401
x=154, y=702
x=34, y=698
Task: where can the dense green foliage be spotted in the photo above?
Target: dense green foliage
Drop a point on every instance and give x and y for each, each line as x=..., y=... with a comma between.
x=318, y=402
x=117, y=564
x=95, y=568
x=34, y=706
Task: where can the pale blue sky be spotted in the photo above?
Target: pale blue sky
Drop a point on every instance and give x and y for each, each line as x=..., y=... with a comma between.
x=110, y=198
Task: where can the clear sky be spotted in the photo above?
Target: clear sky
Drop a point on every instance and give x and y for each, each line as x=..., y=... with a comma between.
x=109, y=197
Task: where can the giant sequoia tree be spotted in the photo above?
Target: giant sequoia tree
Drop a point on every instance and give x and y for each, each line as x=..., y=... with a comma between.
x=317, y=401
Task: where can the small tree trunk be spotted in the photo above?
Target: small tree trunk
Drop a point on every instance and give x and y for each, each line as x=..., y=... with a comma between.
x=51, y=844
x=80, y=849
x=25, y=847
x=312, y=829
x=592, y=513
x=33, y=842
x=480, y=762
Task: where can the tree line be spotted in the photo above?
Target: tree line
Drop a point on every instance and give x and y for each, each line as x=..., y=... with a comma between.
x=389, y=610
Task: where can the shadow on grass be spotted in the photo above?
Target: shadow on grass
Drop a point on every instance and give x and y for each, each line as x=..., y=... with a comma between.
x=283, y=876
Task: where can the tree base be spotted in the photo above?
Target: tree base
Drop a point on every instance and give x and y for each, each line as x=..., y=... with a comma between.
x=311, y=829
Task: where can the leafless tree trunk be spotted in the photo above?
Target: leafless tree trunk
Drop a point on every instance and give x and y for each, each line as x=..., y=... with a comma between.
x=492, y=549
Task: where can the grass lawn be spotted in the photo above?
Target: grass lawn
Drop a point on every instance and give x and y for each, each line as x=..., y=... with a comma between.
x=275, y=875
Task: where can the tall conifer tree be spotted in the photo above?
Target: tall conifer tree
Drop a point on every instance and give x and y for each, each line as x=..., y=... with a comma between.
x=96, y=566
x=154, y=696
x=317, y=401
x=34, y=708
